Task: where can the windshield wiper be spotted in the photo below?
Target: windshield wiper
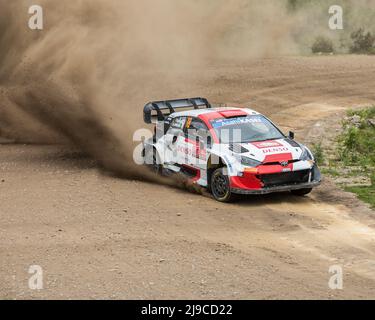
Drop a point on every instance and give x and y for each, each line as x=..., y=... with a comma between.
x=275, y=138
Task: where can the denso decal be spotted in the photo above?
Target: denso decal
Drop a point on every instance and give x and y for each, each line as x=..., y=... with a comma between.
x=267, y=144
x=275, y=150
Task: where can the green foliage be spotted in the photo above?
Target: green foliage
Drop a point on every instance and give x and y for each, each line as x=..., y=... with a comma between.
x=363, y=42
x=366, y=194
x=357, y=142
x=322, y=45
x=358, y=35
x=357, y=149
x=372, y=177
x=318, y=153
x=367, y=113
x=294, y=5
x=330, y=171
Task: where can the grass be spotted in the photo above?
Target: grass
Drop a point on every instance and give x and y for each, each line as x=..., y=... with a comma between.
x=331, y=172
x=366, y=113
x=357, y=141
x=366, y=194
x=357, y=148
x=318, y=153
x=355, y=153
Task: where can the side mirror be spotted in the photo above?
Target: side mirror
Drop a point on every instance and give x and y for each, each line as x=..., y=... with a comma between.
x=291, y=135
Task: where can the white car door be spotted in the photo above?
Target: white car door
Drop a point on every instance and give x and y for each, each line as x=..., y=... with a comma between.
x=196, y=133
x=175, y=146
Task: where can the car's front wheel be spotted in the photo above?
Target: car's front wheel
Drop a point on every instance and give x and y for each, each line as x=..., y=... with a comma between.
x=301, y=192
x=220, y=186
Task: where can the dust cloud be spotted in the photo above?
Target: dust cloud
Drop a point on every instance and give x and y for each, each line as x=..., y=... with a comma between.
x=85, y=78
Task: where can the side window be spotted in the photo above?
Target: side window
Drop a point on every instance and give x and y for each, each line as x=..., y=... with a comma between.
x=176, y=127
x=197, y=130
x=178, y=123
x=193, y=125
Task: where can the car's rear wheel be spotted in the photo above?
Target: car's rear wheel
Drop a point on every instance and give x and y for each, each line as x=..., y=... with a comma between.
x=220, y=186
x=301, y=192
x=152, y=160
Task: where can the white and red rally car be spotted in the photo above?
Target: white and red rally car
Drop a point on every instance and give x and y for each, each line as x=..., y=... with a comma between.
x=229, y=151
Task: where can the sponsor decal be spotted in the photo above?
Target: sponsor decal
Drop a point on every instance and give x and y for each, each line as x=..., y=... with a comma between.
x=188, y=122
x=193, y=149
x=185, y=150
x=266, y=144
x=178, y=123
x=218, y=123
x=275, y=150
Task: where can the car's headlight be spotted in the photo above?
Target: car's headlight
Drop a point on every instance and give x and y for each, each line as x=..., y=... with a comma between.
x=306, y=155
x=250, y=162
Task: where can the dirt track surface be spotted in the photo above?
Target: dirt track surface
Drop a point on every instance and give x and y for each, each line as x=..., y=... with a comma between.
x=97, y=236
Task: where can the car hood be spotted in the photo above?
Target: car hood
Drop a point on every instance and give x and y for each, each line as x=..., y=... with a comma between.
x=270, y=150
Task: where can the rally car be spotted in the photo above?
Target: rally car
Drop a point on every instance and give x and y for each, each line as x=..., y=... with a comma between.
x=229, y=151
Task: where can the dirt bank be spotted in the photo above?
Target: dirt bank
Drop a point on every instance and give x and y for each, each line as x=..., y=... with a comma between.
x=97, y=236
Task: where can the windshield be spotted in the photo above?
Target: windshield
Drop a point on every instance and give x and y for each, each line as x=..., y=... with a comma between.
x=245, y=129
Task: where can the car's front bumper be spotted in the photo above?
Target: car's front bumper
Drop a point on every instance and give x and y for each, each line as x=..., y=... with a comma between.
x=295, y=180
x=277, y=188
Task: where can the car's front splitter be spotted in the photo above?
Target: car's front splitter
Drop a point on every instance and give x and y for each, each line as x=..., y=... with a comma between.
x=277, y=188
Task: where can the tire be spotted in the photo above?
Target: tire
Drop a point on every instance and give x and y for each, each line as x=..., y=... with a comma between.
x=220, y=186
x=301, y=192
x=152, y=160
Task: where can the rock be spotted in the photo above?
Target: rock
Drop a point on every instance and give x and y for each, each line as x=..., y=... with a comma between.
x=355, y=120
x=371, y=122
x=179, y=214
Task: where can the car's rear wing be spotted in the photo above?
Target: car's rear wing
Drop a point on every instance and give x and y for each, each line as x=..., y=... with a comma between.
x=159, y=110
